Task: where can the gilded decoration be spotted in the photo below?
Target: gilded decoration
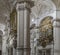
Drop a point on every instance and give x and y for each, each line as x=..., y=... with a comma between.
x=13, y=21
x=13, y=27
x=46, y=32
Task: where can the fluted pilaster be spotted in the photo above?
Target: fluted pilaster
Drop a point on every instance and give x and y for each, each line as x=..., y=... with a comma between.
x=56, y=34
x=23, y=25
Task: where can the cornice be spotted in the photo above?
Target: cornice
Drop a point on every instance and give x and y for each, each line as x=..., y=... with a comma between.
x=57, y=20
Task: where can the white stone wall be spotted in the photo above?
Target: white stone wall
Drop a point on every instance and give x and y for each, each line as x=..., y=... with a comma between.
x=49, y=10
x=4, y=46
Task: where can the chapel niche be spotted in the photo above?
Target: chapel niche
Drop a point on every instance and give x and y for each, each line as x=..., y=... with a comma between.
x=13, y=27
x=46, y=31
x=13, y=21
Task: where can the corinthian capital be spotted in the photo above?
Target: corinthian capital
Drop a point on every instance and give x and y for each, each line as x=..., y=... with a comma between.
x=24, y=4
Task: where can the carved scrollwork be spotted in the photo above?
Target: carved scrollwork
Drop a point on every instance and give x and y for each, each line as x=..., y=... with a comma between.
x=15, y=42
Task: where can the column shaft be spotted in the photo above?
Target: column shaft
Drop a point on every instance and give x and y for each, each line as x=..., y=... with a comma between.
x=14, y=51
x=20, y=30
x=23, y=28
x=56, y=33
x=26, y=32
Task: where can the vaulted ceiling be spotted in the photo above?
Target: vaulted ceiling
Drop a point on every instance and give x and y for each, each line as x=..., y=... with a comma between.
x=5, y=8
x=42, y=7
x=39, y=8
x=57, y=2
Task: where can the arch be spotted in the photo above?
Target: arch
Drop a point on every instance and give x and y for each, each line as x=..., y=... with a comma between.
x=47, y=17
x=41, y=7
x=46, y=23
x=46, y=31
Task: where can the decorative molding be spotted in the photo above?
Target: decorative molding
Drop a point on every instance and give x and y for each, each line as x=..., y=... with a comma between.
x=23, y=7
x=57, y=20
x=19, y=48
x=56, y=50
x=22, y=48
x=24, y=1
x=56, y=24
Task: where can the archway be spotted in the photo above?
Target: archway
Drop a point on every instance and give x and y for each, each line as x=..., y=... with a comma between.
x=46, y=31
x=46, y=35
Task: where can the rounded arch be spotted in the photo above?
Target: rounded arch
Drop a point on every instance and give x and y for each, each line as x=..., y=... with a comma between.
x=47, y=17
x=43, y=7
x=46, y=31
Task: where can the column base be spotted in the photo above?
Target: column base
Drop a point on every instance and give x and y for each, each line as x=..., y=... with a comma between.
x=20, y=51
x=27, y=51
x=23, y=51
x=56, y=52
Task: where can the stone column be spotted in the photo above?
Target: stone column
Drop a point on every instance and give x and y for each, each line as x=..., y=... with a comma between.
x=14, y=51
x=56, y=34
x=56, y=28
x=23, y=23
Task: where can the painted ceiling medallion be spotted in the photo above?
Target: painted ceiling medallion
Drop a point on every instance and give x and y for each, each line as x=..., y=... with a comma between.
x=46, y=32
